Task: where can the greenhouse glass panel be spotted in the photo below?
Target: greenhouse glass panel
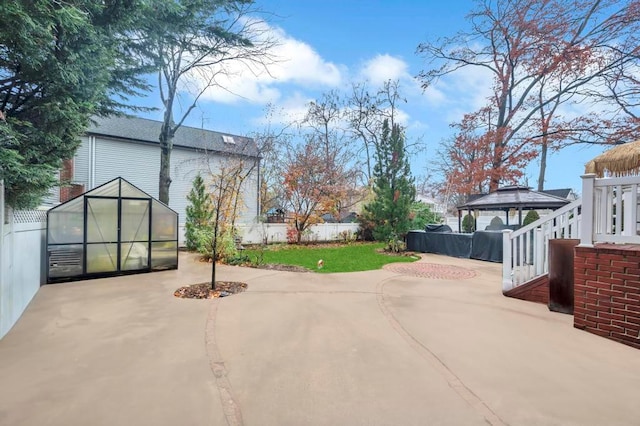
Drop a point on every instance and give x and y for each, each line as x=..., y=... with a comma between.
x=130, y=191
x=164, y=223
x=102, y=258
x=111, y=230
x=134, y=256
x=164, y=255
x=102, y=220
x=109, y=189
x=65, y=260
x=66, y=223
x=135, y=220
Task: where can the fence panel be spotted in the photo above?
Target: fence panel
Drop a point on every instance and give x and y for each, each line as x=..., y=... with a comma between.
x=22, y=259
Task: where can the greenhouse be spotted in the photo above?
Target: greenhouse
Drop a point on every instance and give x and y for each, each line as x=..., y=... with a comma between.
x=113, y=229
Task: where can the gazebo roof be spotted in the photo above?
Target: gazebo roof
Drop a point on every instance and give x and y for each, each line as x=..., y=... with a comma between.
x=516, y=197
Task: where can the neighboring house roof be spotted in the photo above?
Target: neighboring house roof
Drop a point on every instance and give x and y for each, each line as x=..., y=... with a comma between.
x=143, y=130
x=562, y=193
x=515, y=197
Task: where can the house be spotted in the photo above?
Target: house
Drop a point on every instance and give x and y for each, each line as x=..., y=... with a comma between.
x=129, y=148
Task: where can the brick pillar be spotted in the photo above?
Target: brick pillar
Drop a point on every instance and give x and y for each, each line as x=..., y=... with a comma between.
x=66, y=175
x=607, y=292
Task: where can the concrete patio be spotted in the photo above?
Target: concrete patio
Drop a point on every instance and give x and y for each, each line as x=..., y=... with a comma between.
x=437, y=344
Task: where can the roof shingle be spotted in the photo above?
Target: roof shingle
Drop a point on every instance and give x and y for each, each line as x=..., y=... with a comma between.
x=143, y=130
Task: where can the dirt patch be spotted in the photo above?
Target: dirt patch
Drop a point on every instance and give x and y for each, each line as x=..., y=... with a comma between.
x=203, y=290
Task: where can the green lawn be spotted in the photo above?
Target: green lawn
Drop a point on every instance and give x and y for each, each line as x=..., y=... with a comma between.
x=347, y=258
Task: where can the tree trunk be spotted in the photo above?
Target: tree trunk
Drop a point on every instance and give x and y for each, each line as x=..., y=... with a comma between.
x=543, y=166
x=166, y=144
x=214, y=253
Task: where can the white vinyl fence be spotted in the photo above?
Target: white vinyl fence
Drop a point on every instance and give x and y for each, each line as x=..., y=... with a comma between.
x=22, y=245
x=256, y=233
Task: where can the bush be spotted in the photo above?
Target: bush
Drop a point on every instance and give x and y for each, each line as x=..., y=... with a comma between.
x=225, y=248
x=239, y=259
x=292, y=235
x=421, y=215
x=395, y=245
x=531, y=217
x=496, y=222
x=348, y=236
x=365, y=230
x=468, y=223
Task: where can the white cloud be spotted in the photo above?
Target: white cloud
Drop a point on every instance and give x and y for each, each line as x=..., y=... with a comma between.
x=382, y=68
x=296, y=63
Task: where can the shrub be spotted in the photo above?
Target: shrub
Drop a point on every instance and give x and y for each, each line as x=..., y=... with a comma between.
x=292, y=234
x=347, y=236
x=395, y=245
x=421, y=215
x=531, y=217
x=468, y=223
x=225, y=248
x=496, y=222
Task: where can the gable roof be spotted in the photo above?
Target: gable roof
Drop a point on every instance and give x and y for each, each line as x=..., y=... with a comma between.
x=562, y=193
x=144, y=130
x=515, y=197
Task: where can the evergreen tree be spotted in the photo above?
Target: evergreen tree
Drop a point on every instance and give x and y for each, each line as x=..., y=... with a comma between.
x=393, y=187
x=60, y=63
x=199, y=213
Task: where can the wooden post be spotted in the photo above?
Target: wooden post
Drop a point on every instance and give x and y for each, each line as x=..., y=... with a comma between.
x=507, y=261
x=538, y=259
x=586, y=225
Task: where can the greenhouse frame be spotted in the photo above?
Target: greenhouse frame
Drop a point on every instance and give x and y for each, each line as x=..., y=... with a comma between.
x=113, y=229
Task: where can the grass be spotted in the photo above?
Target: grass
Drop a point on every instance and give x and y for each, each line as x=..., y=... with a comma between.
x=347, y=258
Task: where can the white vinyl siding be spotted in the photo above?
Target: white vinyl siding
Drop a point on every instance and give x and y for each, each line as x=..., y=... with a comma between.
x=139, y=163
x=81, y=163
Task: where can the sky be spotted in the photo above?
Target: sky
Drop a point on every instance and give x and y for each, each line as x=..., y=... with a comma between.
x=326, y=45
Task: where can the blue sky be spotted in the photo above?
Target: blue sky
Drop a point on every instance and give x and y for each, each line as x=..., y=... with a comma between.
x=325, y=45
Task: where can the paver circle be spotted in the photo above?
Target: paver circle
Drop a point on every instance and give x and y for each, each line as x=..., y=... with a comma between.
x=431, y=270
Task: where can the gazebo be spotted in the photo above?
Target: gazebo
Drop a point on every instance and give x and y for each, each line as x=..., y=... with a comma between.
x=111, y=230
x=512, y=197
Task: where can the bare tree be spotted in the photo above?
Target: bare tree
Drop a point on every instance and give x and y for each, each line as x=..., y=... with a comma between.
x=520, y=42
x=202, y=43
x=366, y=112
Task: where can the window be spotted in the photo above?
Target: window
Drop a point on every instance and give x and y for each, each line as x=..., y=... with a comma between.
x=228, y=139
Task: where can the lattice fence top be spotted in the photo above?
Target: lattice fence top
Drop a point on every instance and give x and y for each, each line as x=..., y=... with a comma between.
x=29, y=216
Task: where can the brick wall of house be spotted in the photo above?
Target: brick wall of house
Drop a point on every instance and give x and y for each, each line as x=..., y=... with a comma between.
x=607, y=292
x=536, y=290
x=68, y=190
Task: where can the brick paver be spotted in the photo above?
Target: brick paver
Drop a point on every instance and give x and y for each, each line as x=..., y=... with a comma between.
x=431, y=270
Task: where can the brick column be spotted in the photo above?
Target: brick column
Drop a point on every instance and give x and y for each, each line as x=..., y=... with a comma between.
x=607, y=292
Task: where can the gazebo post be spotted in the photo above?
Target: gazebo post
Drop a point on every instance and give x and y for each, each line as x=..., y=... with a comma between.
x=520, y=216
x=506, y=213
x=459, y=220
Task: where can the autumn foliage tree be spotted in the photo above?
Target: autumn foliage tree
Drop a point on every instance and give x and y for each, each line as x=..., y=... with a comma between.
x=466, y=160
x=313, y=181
x=520, y=43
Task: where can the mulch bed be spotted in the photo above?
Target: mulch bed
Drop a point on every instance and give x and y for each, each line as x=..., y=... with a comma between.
x=278, y=267
x=203, y=290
